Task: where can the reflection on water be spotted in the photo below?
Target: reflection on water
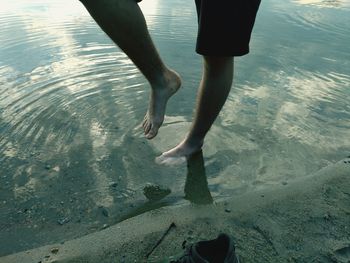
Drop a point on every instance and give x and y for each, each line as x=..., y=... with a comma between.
x=325, y=3
x=196, y=186
x=72, y=156
x=196, y=190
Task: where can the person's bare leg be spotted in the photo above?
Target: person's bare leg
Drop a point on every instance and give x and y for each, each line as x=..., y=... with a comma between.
x=124, y=23
x=213, y=91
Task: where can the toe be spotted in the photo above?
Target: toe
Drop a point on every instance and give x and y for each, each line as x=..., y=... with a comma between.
x=170, y=161
x=147, y=128
x=152, y=132
x=145, y=120
x=144, y=123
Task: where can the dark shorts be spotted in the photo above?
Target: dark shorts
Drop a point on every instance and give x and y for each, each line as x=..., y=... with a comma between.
x=225, y=26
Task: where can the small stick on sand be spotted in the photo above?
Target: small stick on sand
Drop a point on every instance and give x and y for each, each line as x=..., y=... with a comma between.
x=161, y=239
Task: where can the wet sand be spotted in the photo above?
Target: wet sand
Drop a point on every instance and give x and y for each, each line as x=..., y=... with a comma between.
x=306, y=220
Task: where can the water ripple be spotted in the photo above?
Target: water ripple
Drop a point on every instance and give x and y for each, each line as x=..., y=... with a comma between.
x=71, y=104
x=68, y=77
x=315, y=20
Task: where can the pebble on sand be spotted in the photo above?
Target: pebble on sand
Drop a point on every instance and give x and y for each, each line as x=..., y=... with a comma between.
x=54, y=250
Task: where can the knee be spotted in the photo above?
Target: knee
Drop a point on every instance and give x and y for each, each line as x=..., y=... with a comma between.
x=217, y=62
x=217, y=59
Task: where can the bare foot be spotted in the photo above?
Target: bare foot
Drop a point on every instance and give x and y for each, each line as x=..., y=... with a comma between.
x=158, y=100
x=180, y=153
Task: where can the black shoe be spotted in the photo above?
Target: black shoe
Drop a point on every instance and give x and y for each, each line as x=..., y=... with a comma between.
x=219, y=250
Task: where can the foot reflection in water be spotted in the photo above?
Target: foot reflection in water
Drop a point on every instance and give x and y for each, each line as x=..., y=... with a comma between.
x=196, y=189
x=196, y=186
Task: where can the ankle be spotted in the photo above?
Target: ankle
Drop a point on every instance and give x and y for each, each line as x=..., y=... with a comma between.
x=194, y=141
x=160, y=80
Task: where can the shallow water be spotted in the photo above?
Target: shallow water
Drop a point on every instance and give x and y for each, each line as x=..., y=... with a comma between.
x=73, y=158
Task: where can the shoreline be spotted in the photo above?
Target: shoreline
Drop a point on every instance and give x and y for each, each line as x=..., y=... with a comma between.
x=307, y=220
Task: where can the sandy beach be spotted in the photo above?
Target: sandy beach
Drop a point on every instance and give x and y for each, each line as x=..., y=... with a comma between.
x=307, y=220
